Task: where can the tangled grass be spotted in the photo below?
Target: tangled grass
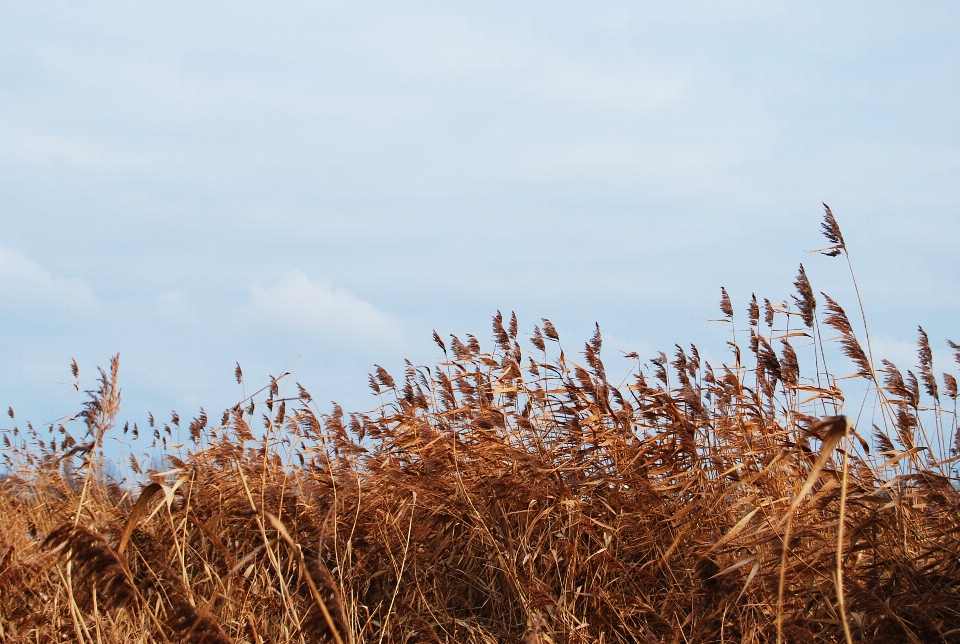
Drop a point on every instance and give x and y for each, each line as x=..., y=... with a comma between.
x=503, y=497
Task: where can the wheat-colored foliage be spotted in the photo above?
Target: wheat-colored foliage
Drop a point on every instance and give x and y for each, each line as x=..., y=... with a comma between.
x=499, y=496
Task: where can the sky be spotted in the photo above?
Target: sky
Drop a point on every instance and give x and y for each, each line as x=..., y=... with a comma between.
x=317, y=186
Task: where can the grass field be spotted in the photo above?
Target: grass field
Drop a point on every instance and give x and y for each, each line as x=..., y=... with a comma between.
x=513, y=494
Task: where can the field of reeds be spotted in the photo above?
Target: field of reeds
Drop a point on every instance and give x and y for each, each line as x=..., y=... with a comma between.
x=513, y=493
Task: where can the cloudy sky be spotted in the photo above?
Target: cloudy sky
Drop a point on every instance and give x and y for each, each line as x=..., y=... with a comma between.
x=319, y=185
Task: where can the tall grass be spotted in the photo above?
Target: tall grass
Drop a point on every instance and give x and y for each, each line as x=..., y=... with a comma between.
x=511, y=496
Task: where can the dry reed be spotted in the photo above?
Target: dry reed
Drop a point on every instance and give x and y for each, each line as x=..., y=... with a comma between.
x=507, y=497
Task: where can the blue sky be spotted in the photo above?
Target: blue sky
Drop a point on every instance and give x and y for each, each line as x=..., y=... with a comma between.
x=195, y=184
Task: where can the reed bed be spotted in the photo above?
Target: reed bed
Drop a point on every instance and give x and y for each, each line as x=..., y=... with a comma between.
x=511, y=495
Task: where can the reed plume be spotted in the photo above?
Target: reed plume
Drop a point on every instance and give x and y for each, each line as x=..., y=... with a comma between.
x=511, y=492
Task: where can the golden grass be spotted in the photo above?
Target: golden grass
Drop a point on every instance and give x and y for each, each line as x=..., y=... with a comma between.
x=503, y=497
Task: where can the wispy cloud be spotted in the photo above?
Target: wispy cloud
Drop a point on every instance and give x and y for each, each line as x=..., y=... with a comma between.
x=444, y=48
x=24, y=282
x=25, y=145
x=318, y=308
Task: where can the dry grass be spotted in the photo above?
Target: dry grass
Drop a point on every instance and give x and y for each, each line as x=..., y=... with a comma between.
x=504, y=497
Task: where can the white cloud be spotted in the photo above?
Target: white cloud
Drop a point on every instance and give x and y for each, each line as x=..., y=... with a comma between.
x=24, y=282
x=318, y=308
x=446, y=48
x=661, y=167
x=24, y=145
x=186, y=97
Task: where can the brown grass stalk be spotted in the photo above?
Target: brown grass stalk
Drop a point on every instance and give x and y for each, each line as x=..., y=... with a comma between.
x=503, y=497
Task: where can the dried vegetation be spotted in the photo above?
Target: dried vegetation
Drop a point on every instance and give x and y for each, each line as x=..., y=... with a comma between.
x=503, y=496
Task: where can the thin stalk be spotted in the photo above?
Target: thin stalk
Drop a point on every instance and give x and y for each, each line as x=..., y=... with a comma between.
x=841, y=602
